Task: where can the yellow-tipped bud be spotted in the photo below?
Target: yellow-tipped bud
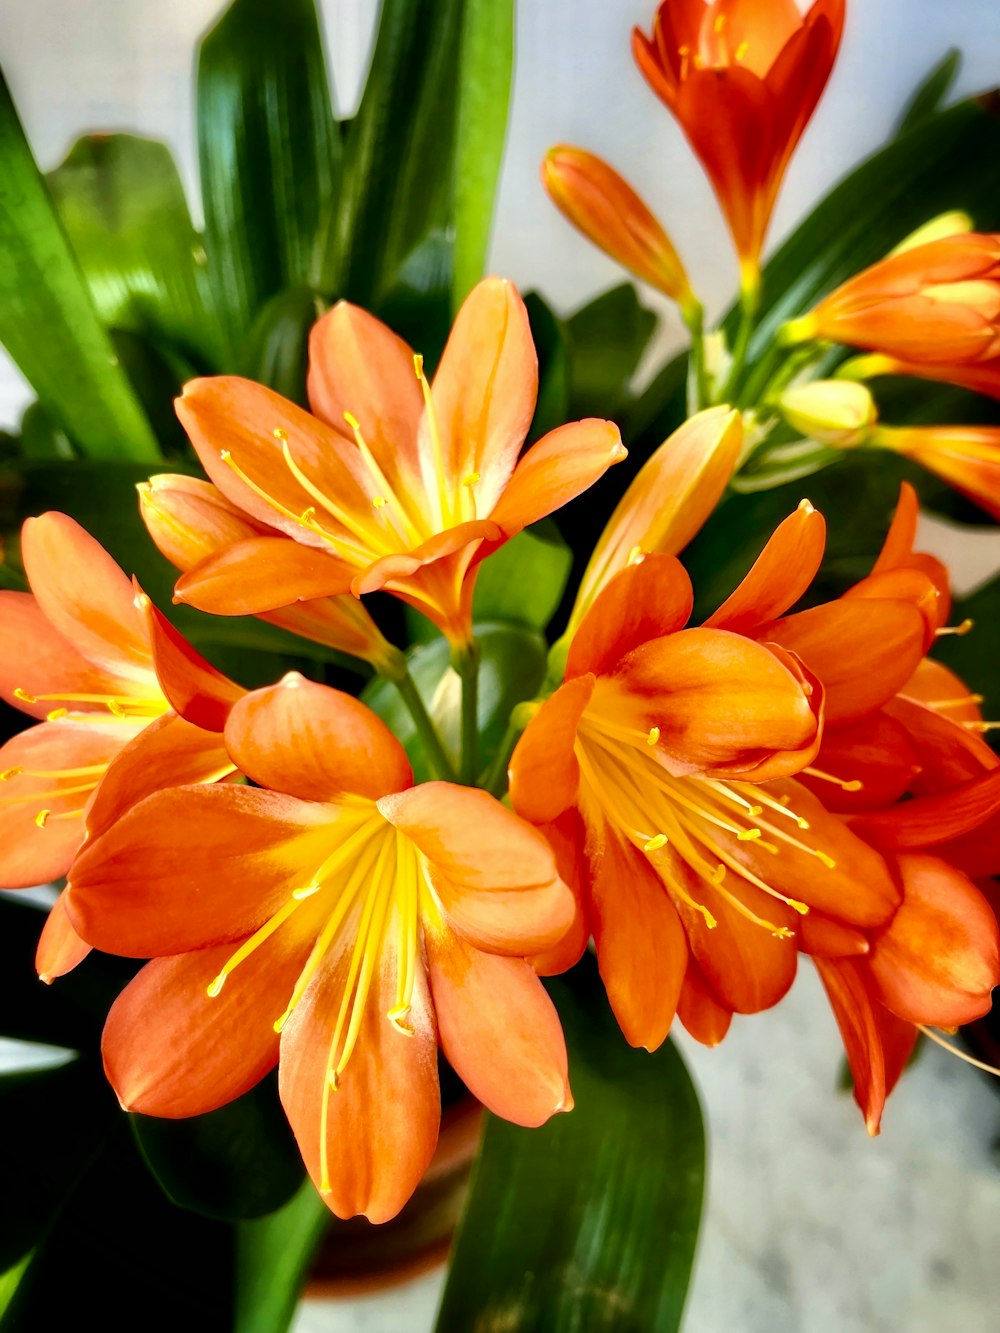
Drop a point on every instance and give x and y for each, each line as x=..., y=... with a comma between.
x=841, y=413
x=955, y=223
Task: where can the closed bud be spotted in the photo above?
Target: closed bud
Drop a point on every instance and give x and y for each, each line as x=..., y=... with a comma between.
x=841, y=413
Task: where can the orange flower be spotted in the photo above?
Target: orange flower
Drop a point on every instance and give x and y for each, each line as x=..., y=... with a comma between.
x=393, y=484
x=190, y=520
x=967, y=457
x=743, y=77
x=935, y=306
x=603, y=206
x=81, y=651
x=361, y=918
x=979, y=376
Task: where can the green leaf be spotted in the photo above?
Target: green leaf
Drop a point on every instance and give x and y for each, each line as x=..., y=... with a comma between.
x=42, y=437
x=975, y=656
x=512, y=668
x=607, y=338
x=277, y=350
x=399, y=151
x=47, y=321
x=928, y=96
x=237, y=1162
x=269, y=151
x=524, y=581
x=272, y=1257
x=485, y=74
x=548, y=333
x=589, y=1222
x=121, y=202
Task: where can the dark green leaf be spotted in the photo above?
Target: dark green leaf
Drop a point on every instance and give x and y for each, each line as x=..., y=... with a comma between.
x=122, y=204
x=524, y=581
x=607, y=338
x=272, y=1257
x=277, y=347
x=512, y=668
x=41, y=436
x=549, y=336
x=47, y=321
x=590, y=1222
x=237, y=1162
x=485, y=73
x=975, y=656
x=399, y=150
x=929, y=95
x=269, y=151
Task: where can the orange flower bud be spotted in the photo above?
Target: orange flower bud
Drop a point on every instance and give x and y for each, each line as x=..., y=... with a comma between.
x=967, y=457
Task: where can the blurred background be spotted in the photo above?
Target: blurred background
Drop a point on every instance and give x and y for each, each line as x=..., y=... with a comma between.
x=809, y=1225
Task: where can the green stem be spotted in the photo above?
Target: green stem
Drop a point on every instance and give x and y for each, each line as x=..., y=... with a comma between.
x=749, y=305
x=465, y=660
x=494, y=780
x=440, y=764
x=698, y=391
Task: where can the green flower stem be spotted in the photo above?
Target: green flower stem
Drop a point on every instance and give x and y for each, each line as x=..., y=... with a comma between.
x=441, y=765
x=698, y=390
x=465, y=660
x=749, y=305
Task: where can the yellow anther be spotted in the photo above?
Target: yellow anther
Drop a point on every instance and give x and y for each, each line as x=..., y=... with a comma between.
x=855, y=784
x=851, y=784
x=352, y=421
x=720, y=22
x=306, y=891
x=749, y=835
x=24, y=696
x=653, y=736
x=212, y=990
x=754, y=810
x=334, y=1082
x=783, y=933
x=378, y=501
x=718, y=874
x=959, y=630
x=396, y=1017
x=279, y=434
x=279, y=1023
x=9, y=773
x=636, y=556
x=42, y=818
x=655, y=843
x=796, y=906
x=56, y=714
x=742, y=49
x=225, y=455
x=826, y=860
x=116, y=707
x=710, y=920
x=308, y=515
x=470, y=479
x=418, y=365
x=802, y=823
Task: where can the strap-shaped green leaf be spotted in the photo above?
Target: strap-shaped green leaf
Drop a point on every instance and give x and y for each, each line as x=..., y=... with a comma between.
x=269, y=151
x=273, y=1254
x=590, y=1221
x=47, y=320
x=485, y=74
x=121, y=202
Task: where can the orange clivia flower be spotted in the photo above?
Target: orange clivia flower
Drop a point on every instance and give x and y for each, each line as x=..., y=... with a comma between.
x=190, y=520
x=743, y=78
x=393, y=483
x=337, y=920
x=605, y=208
x=935, y=307
x=967, y=457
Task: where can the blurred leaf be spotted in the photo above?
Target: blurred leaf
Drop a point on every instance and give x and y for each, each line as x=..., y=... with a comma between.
x=42, y=437
x=277, y=347
x=589, y=1222
x=118, y=1253
x=524, y=581
x=607, y=338
x=237, y=1162
x=485, y=74
x=47, y=321
x=418, y=305
x=398, y=151
x=512, y=667
x=548, y=333
x=157, y=372
x=269, y=151
x=272, y=1257
x=975, y=655
x=928, y=96
x=121, y=202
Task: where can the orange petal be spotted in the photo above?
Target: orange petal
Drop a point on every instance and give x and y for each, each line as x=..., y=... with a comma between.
x=191, y=867
x=641, y=946
x=557, y=469
x=189, y=518
x=669, y=500
x=484, y=393
x=199, y=693
x=643, y=601
x=85, y=596
x=33, y=852
x=876, y=752
x=169, y=752
x=862, y=651
x=60, y=948
x=170, y=1050
x=854, y=1009
x=261, y=574
x=498, y=1028
x=934, y=819
x=389, y=569
x=382, y=1121
x=701, y=1011
x=906, y=584
x=897, y=549
x=360, y=367
x=566, y=835
x=939, y=958
x=823, y=937
x=780, y=575
x=495, y=875
x=721, y=702
x=315, y=743
x=544, y=773
x=948, y=753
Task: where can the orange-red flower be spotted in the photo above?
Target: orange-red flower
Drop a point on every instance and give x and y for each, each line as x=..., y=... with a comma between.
x=393, y=483
x=967, y=457
x=933, y=306
x=190, y=520
x=743, y=78
x=342, y=917
x=81, y=651
x=605, y=208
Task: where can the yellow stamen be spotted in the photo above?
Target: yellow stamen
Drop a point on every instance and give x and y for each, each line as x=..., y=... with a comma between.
x=635, y=556
x=954, y=1050
x=654, y=736
x=9, y=773
x=378, y=501
x=41, y=819
x=963, y=628
x=654, y=844
x=251, y=945
x=470, y=479
x=852, y=784
x=279, y=434
x=742, y=49
x=748, y=835
x=57, y=714
x=444, y=510
x=24, y=696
